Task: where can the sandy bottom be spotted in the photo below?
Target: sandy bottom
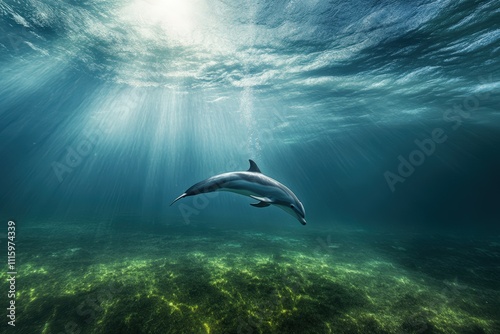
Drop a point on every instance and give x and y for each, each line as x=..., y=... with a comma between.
x=104, y=278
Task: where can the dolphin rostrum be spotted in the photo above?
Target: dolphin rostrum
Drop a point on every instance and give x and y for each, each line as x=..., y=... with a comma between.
x=254, y=184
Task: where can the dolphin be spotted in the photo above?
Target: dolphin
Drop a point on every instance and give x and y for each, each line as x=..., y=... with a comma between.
x=254, y=184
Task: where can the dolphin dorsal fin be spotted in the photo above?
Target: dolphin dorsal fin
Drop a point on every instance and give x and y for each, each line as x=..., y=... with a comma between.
x=253, y=167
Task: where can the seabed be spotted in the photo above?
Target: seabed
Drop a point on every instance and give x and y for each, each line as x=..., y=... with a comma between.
x=106, y=278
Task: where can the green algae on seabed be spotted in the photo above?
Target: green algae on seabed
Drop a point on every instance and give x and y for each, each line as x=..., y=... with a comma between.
x=210, y=281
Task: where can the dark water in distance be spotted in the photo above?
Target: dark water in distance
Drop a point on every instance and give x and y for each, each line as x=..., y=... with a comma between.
x=382, y=117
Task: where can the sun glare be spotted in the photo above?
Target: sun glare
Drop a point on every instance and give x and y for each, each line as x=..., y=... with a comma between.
x=175, y=17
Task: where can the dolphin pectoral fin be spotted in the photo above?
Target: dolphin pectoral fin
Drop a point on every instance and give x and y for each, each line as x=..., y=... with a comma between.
x=263, y=199
x=260, y=204
x=178, y=198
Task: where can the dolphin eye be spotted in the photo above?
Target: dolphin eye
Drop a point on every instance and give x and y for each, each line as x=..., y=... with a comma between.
x=291, y=205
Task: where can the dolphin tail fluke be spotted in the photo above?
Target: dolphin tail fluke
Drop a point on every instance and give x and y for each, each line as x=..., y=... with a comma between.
x=178, y=198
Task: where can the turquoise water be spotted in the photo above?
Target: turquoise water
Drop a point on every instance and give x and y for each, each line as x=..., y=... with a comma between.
x=381, y=117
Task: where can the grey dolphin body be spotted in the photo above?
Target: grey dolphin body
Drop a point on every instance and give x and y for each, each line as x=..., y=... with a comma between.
x=254, y=184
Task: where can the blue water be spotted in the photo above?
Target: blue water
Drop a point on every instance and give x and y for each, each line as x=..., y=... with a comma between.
x=382, y=117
